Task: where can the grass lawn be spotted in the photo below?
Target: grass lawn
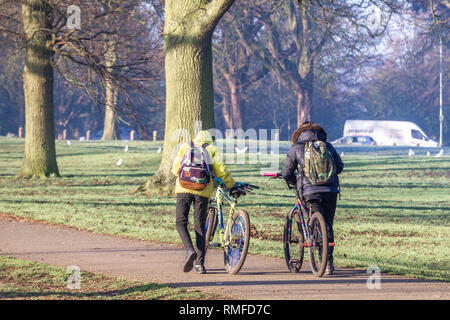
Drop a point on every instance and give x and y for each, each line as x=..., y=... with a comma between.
x=394, y=211
x=27, y=280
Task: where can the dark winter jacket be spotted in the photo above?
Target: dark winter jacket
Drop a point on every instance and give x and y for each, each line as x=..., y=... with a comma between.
x=295, y=160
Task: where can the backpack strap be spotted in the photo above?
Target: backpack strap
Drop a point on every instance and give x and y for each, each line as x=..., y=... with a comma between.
x=192, y=151
x=208, y=165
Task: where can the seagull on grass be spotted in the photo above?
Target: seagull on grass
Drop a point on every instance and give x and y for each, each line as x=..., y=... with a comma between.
x=440, y=153
x=240, y=151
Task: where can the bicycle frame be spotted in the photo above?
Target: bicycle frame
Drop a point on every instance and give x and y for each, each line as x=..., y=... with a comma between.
x=224, y=232
x=301, y=212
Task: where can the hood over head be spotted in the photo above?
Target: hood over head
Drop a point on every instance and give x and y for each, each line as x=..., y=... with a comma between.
x=309, y=132
x=203, y=137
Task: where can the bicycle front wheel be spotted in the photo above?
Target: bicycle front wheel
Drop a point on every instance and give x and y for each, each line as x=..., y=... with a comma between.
x=236, y=252
x=293, y=243
x=318, y=250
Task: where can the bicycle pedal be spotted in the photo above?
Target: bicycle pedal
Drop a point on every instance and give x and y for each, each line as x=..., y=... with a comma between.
x=215, y=245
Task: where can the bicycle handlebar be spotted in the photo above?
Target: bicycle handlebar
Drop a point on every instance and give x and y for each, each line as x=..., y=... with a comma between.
x=241, y=185
x=273, y=175
x=246, y=186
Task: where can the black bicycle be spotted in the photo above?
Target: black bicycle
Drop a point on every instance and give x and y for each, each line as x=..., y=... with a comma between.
x=299, y=234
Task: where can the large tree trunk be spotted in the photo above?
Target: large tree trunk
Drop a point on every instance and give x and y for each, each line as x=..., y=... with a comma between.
x=110, y=128
x=40, y=155
x=188, y=29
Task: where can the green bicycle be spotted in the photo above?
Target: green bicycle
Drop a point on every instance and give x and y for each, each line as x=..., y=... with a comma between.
x=234, y=238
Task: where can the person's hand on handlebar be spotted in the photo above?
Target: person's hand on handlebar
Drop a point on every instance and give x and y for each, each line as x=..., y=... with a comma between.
x=236, y=191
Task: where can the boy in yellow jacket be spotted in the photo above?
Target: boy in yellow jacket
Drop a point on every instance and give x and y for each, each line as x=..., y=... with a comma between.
x=200, y=198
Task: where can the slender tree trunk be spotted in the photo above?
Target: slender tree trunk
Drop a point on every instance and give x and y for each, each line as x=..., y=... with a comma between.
x=40, y=155
x=109, y=128
x=305, y=92
x=235, y=100
x=188, y=29
x=226, y=114
x=304, y=106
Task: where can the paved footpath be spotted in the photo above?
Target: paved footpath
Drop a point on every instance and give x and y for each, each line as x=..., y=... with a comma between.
x=260, y=278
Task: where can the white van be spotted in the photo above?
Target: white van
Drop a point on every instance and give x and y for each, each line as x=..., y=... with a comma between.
x=386, y=133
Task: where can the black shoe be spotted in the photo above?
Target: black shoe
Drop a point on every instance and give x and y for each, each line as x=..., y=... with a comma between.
x=330, y=269
x=199, y=268
x=191, y=255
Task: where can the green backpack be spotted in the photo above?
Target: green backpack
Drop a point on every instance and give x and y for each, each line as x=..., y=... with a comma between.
x=319, y=163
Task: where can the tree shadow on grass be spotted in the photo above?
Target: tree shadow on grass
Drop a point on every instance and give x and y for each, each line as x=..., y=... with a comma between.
x=393, y=186
x=358, y=168
x=106, y=203
x=372, y=206
x=336, y=279
x=76, y=294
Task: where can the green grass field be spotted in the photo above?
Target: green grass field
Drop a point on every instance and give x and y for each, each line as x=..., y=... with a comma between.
x=394, y=211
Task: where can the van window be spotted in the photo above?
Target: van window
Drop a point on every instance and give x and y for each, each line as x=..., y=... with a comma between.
x=362, y=139
x=416, y=134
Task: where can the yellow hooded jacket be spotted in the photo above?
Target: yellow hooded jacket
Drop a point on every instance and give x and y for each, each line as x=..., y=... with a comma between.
x=218, y=168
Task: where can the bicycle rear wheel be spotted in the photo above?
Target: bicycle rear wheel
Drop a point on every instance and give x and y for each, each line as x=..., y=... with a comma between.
x=235, y=253
x=210, y=226
x=318, y=250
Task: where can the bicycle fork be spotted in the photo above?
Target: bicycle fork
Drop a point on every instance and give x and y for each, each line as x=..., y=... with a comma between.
x=224, y=231
x=227, y=239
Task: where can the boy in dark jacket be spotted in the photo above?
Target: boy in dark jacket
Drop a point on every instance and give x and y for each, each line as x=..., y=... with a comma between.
x=321, y=198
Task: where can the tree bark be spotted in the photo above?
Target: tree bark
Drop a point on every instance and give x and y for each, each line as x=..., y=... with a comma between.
x=110, y=128
x=188, y=29
x=226, y=114
x=303, y=108
x=235, y=99
x=304, y=99
x=40, y=155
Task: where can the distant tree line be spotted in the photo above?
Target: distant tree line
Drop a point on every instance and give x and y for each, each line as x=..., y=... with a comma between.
x=347, y=78
x=275, y=64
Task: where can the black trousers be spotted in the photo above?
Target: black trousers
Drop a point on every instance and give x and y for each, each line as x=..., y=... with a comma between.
x=325, y=202
x=184, y=201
